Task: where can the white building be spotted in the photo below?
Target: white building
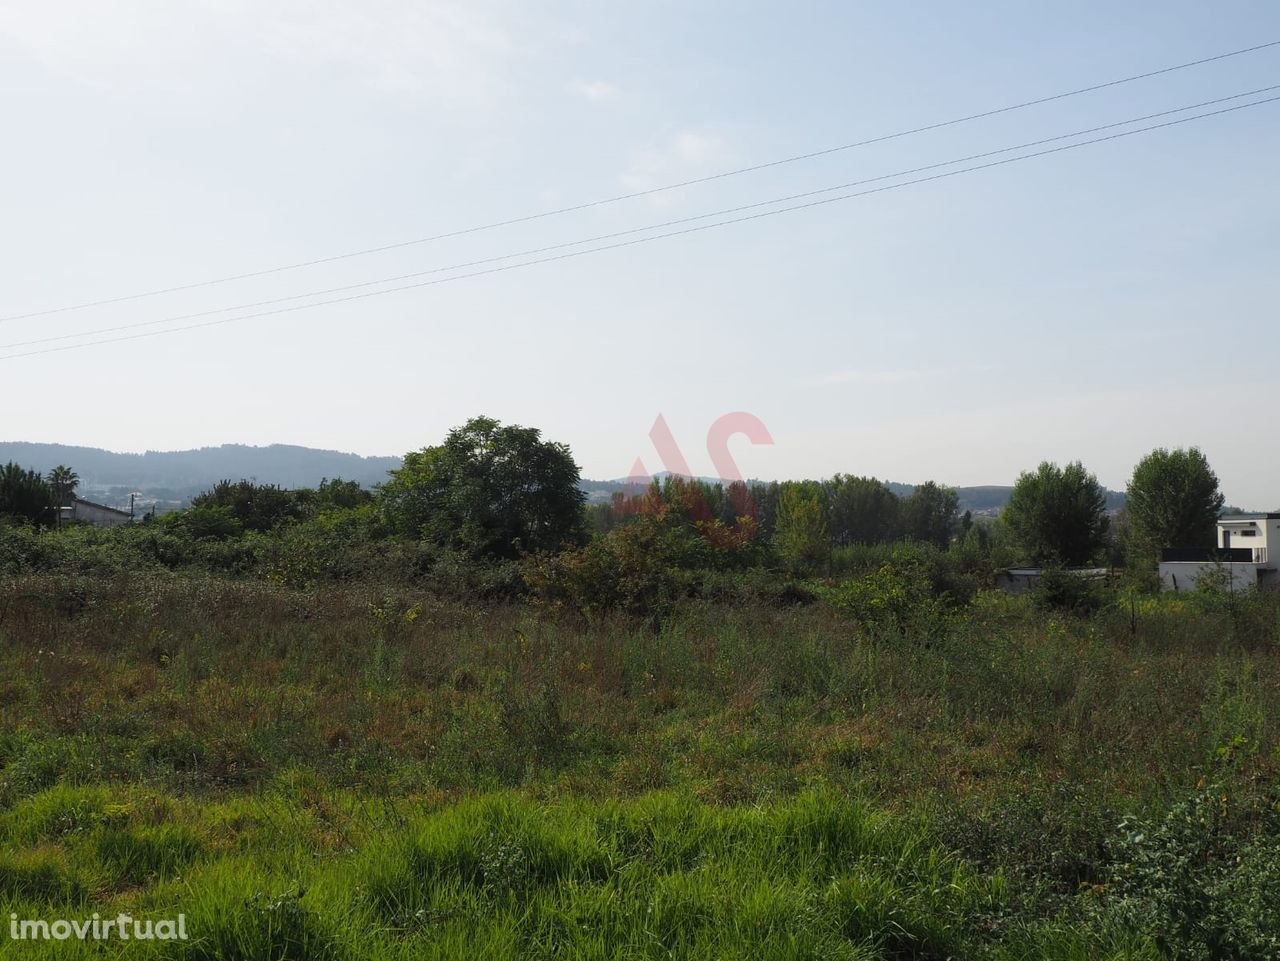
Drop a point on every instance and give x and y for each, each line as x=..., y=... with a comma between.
x=1248, y=547
x=1258, y=532
x=99, y=515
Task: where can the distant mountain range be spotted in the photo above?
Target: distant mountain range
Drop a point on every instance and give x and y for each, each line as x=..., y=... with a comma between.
x=172, y=478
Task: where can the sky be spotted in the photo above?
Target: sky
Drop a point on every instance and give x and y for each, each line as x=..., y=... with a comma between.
x=1088, y=305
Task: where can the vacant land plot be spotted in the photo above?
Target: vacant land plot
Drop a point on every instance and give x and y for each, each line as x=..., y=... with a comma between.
x=360, y=773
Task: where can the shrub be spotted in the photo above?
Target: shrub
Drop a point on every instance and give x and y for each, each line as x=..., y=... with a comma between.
x=204, y=522
x=639, y=568
x=255, y=507
x=458, y=574
x=945, y=571
x=896, y=597
x=1203, y=889
x=1064, y=590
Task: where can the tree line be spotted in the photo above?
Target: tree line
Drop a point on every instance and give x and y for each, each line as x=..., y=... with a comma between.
x=27, y=495
x=500, y=492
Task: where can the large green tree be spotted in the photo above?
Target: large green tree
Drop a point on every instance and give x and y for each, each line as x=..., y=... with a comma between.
x=25, y=495
x=862, y=510
x=489, y=490
x=800, y=533
x=1058, y=515
x=929, y=514
x=258, y=507
x=1173, y=500
x=63, y=481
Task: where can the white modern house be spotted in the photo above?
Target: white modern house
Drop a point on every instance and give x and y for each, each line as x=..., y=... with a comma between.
x=1247, y=551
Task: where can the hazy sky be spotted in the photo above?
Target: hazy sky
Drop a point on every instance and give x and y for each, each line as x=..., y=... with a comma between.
x=1092, y=305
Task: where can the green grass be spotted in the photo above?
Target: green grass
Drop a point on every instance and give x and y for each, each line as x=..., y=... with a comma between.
x=663, y=875
x=367, y=773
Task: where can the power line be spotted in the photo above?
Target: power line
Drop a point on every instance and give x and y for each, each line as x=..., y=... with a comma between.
x=630, y=231
x=644, y=193
x=641, y=240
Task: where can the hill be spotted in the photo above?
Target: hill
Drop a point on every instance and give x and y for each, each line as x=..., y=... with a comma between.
x=991, y=498
x=174, y=477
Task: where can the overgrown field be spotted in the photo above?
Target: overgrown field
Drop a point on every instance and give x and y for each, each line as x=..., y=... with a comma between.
x=361, y=773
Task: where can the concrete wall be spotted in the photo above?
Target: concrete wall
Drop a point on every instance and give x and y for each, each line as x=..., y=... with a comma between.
x=1017, y=581
x=1020, y=580
x=1182, y=575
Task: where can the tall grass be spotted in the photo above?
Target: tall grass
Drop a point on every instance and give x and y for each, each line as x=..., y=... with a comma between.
x=376, y=772
x=664, y=875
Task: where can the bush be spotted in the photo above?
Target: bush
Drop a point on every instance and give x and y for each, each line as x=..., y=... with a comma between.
x=255, y=507
x=1064, y=590
x=20, y=550
x=1205, y=890
x=639, y=568
x=946, y=571
x=204, y=522
x=755, y=586
x=461, y=575
x=893, y=597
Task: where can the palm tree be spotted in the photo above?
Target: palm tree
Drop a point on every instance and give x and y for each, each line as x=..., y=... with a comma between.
x=24, y=494
x=64, y=481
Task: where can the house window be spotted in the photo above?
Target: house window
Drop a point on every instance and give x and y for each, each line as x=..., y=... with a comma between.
x=1251, y=532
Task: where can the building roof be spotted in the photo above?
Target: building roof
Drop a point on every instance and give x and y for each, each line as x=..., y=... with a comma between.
x=1264, y=516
